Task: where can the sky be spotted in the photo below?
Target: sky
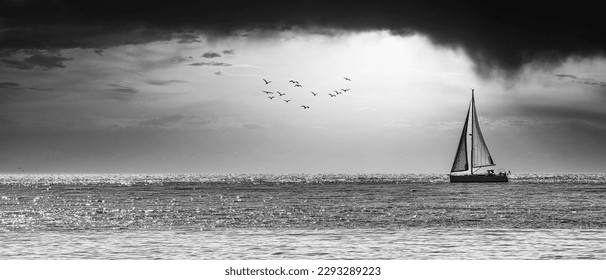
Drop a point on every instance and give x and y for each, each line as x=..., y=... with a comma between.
x=177, y=87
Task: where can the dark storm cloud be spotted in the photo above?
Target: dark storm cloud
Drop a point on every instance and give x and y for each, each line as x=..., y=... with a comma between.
x=212, y=63
x=211, y=55
x=503, y=35
x=90, y=35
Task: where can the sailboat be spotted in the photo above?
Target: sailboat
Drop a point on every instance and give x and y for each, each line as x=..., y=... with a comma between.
x=480, y=156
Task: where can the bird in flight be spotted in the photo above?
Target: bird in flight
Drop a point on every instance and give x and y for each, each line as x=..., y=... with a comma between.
x=347, y=79
x=298, y=85
x=314, y=93
x=268, y=92
x=266, y=81
x=344, y=89
x=281, y=94
x=305, y=107
x=293, y=81
x=287, y=100
x=332, y=95
x=338, y=92
x=271, y=97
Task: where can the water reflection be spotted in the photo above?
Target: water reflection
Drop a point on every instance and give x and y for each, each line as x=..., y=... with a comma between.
x=308, y=244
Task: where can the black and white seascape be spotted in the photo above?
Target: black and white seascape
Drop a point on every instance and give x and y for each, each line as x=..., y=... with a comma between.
x=323, y=130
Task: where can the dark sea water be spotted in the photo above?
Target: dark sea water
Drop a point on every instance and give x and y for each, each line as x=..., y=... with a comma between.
x=301, y=216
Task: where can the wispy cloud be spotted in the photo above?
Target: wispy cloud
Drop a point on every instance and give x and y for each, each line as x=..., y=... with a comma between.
x=9, y=85
x=187, y=38
x=40, y=89
x=578, y=80
x=122, y=89
x=164, y=82
x=42, y=61
x=162, y=121
x=211, y=55
x=229, y=52
x=47, y=61
x=14, y=85
x=565, y=76
x=251, y=126
x=245, y=66
x=212, y=63
x=398, y=124
x=367, y=109
x=180, y=59
x=17, y=64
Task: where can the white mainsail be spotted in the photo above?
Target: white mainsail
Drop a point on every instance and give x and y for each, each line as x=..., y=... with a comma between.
x=479, y=151
x=480, y=156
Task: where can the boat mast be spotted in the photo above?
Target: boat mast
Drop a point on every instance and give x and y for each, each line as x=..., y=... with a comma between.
x=473, y=108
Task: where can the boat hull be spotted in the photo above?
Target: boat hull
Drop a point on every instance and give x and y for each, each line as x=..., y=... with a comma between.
x=478, y=178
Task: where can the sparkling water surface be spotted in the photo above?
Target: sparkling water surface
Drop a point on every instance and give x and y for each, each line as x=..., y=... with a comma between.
x=301, y=216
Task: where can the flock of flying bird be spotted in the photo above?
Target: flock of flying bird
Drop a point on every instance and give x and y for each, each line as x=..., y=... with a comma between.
x=271, y=95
